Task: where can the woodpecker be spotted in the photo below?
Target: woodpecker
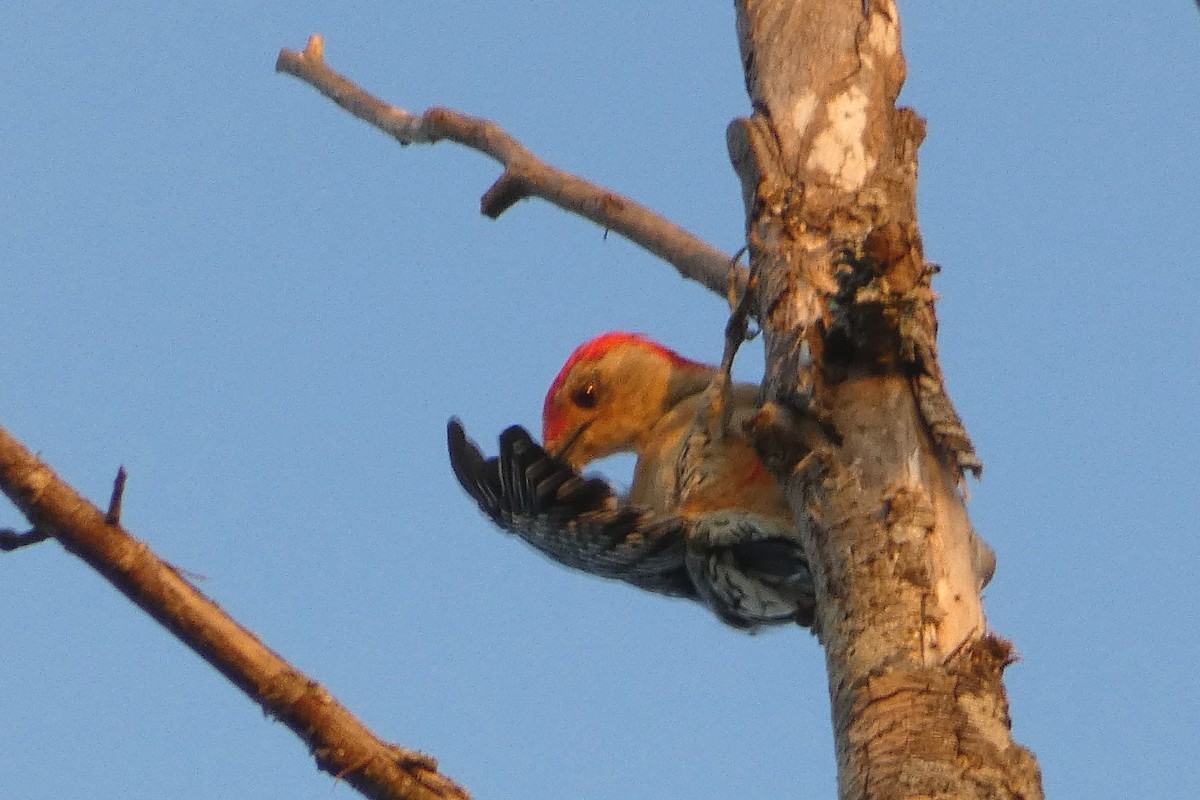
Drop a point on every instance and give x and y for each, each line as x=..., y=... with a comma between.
x=703, y=519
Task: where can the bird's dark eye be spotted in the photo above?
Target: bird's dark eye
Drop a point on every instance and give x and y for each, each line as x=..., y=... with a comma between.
x=585, y=396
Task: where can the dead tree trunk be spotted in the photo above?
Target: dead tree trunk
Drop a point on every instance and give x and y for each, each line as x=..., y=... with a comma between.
x=828, y=168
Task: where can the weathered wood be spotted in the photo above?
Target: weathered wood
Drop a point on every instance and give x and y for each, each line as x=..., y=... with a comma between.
x=828, y=169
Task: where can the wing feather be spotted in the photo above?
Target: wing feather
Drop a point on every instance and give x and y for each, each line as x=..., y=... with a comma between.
x=577, y=521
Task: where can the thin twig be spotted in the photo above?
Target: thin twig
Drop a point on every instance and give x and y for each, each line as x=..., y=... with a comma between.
x=12, y=540
x=340, y=743
x=737, y=331
x=113, y=517
x=525, y=175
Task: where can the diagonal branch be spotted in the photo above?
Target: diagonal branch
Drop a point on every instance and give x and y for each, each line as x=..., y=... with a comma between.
x=340, y=743
x=525, y=175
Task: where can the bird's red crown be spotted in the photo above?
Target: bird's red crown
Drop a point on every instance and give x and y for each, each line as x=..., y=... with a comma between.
x=591, y=350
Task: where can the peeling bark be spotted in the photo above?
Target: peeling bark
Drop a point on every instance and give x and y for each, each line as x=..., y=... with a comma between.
x=828, y=169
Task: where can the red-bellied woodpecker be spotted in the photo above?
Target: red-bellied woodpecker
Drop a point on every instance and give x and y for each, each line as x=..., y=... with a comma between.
x=703, y=518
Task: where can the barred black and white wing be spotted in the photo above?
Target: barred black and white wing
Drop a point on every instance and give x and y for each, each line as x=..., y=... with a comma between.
x=750, y=570
x=577, y=521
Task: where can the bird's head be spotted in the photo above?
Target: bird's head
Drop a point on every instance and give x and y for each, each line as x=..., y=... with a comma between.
x=610, y=393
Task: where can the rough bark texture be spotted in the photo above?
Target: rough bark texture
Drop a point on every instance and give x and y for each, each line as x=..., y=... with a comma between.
x=828, y=169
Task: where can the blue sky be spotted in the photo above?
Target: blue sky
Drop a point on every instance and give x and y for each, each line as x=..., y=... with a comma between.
x=267, y=310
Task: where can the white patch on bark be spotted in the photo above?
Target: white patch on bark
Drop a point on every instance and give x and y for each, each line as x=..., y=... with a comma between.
x=805, y=354
x=839, y=150
x=39, y=480
x=884, y=34
x=981, y=713
x=913, y=478
x=802, y=112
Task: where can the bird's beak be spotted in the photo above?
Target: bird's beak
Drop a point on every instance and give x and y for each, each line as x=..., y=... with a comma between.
x=562, y=452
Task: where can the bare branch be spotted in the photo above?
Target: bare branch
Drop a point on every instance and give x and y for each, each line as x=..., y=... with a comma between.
x=525, y=175
x=340, y=743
